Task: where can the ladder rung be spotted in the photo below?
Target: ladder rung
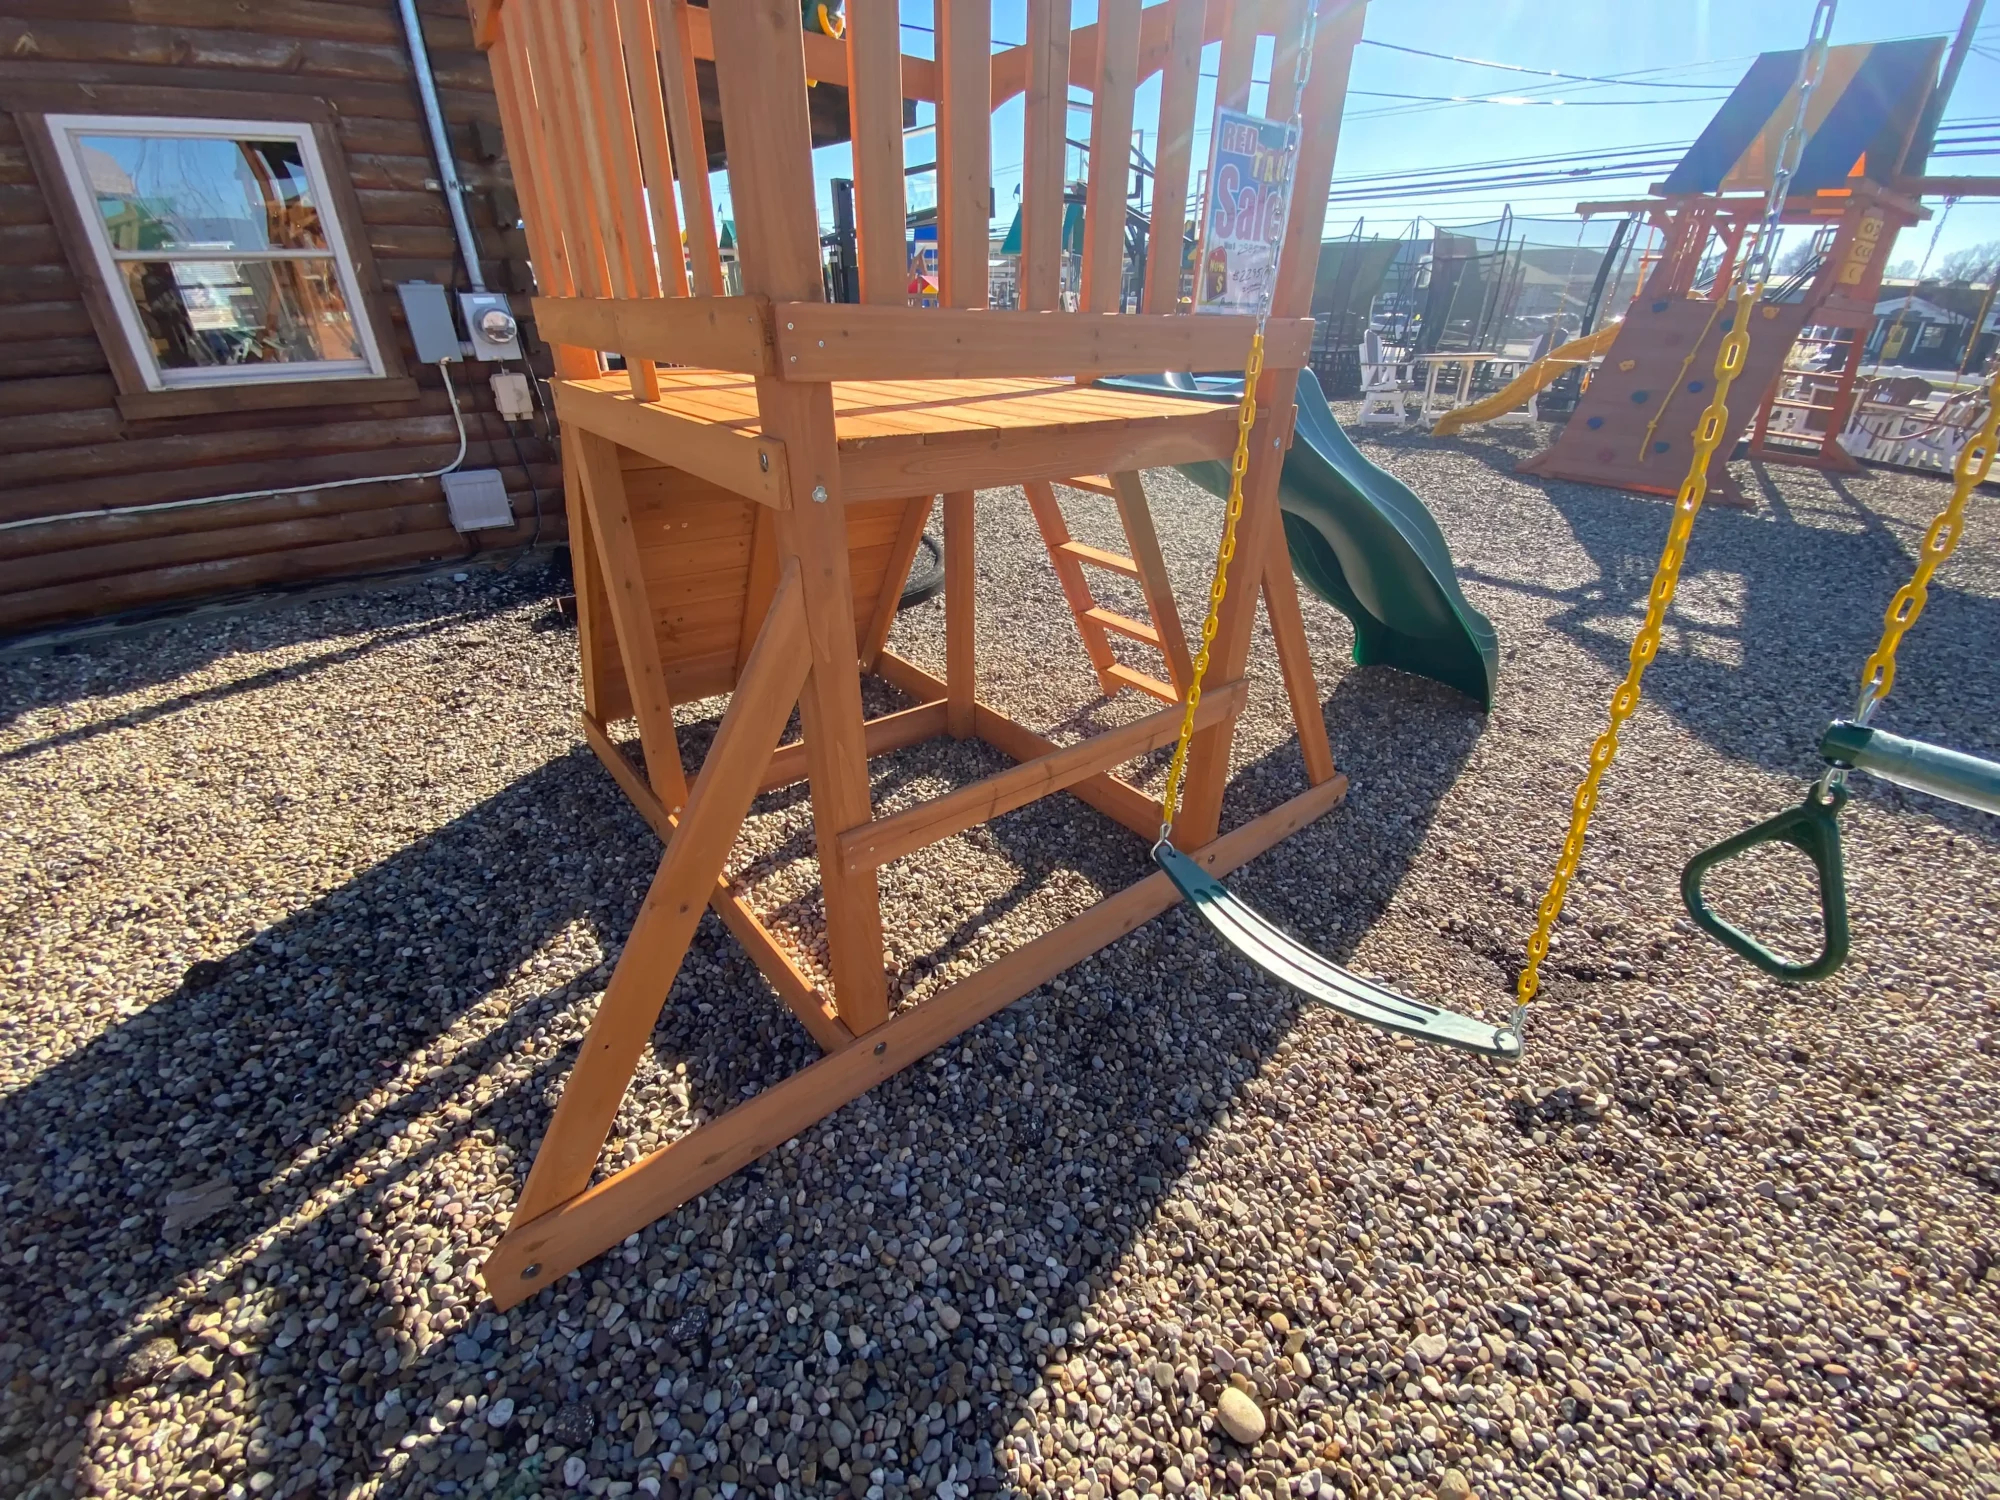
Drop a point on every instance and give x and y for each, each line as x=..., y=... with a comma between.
x=1097, y=557
x=1097, y=484
x=1164, y=691
x=1110, y=619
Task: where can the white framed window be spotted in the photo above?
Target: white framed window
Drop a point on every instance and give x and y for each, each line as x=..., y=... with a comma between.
x=220, y=249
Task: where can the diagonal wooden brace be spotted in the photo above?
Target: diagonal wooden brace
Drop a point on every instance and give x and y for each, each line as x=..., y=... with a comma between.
x=659, y=940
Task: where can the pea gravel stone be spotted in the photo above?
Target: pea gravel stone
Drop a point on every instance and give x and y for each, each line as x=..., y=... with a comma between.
x=306, y=909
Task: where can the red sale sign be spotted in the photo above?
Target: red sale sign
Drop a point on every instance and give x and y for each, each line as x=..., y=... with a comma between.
x=1249, y=190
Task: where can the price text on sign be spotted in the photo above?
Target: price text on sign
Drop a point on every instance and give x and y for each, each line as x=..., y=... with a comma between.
x=1249, y=183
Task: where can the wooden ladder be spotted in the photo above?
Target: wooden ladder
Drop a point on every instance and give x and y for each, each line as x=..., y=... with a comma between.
x=1096, y=624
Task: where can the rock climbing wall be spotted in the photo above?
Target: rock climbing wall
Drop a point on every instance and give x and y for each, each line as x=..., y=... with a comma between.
x=1613, y=438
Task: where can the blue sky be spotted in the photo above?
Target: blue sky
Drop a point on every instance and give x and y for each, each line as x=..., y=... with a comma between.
x=1666, y=42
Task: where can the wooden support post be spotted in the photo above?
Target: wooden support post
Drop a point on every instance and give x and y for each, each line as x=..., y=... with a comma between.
x=961, y=672
x=758, y=47
x=1144, y=541
x=631, y=613
x=1173, y=157
x=1288, y=630
x=536, y=1252
x=1208, y=755
x=659, y=938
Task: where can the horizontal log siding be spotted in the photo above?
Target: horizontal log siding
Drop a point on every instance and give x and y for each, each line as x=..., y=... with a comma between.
x=64, y=445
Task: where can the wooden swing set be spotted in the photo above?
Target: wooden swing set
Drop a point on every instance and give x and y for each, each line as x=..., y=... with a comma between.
x=745, y=496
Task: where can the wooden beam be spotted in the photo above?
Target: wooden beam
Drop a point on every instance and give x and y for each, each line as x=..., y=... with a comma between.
x=1239, y=51
x=875, y=122
x=1117, y=800
x=760, y=61
x=631, y=612
x=960, y=617
x=875, y=844
x=649, y=116
x=753, y=467
x=829, y=341
x=665, y=925
x=1326, y=93
x=801, y=996
x=714, y=333
x=1288, y=631
x=1173, y=156
x=538, y=1252
x=975, y=460
x=1044, y=133
x=897, y=731
x=1110, y=156
x=964, y=150
x=673, y=23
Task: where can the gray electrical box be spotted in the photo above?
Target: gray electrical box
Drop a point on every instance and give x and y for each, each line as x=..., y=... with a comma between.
x=477, y=499
x=427, y=309
x=490, y=325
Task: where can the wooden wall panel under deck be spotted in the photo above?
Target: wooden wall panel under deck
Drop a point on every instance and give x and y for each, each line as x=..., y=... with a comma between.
x=64, y=443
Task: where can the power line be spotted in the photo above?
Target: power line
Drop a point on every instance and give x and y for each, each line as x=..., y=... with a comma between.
x=1480, y=62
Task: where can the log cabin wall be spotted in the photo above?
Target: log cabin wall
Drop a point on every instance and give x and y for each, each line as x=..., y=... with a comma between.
x=76, y=432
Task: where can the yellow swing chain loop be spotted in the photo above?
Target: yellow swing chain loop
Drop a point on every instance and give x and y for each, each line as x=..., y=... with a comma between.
x=1969, y=471
x=1239, y=461
x=1975, y=461
x=1708, y=434
x=1239, y=465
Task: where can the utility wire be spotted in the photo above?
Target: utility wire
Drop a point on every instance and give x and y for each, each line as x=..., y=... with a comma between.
x=1480, y=62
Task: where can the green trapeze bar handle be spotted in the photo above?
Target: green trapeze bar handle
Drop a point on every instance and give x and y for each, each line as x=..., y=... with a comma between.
x=1950, y=774
x=1813, y=828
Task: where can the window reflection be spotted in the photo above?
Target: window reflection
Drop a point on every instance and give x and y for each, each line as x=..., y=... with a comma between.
x=203, y=313
x=202, y=193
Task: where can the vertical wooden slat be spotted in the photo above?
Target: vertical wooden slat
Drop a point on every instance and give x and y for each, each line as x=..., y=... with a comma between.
x=690, y=142
x=1172, y=158
x=649, y=116
x=875, y=119
x=1110, y=154
x=1326, y=95
x=1239, y=52
x=964, y=146
x=592, y=148
x=760, y=63
x=552, y=91
x=960, y=655
x=524, y=148
x=1045, y=120
x=611, y=127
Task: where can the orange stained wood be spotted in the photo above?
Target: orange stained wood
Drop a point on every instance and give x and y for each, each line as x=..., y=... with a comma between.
x=964, y=150
x=1110, y=154
x=673, y=32
x=1045, y=116
x=875, y=121
x=1174, y=154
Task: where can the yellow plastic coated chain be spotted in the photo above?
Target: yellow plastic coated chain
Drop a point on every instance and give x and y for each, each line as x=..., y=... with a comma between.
x=1239, y=465
x=1666, y=577
x=1975, y=461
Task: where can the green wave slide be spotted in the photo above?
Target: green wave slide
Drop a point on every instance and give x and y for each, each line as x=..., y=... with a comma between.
x=1361, y=540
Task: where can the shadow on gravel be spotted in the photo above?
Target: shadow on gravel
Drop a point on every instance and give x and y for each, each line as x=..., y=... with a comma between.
x=289, y=1091
x=253, y=1150
x=1776, y=611
x=185, y=643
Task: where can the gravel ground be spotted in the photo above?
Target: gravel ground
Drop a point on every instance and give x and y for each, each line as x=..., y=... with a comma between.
x=306, y=910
